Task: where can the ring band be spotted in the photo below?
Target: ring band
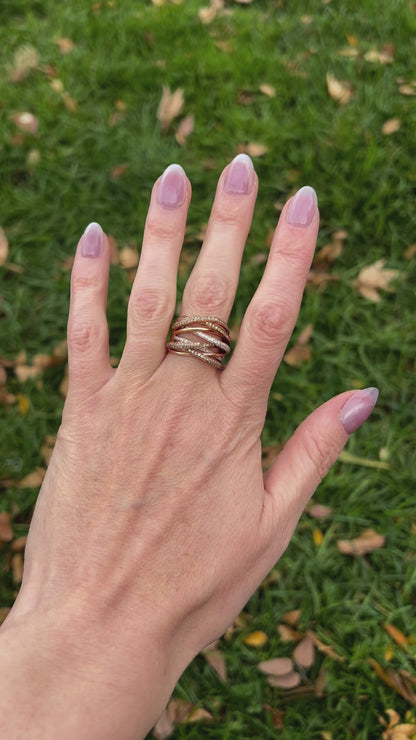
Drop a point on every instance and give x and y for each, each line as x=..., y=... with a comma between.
x=205, y=337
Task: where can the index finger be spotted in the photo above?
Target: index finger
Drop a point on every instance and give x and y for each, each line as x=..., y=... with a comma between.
x=271, y=315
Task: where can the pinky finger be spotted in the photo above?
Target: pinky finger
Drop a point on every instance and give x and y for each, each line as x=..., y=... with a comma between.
x=88, y=351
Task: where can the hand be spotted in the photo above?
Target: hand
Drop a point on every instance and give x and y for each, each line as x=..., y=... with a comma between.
x=155, y=524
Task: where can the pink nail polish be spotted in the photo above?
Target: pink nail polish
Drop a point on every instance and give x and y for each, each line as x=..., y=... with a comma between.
x=171, y=190
x=302, y=207
x=240, y=176
x=92, y=240
x=358, y=408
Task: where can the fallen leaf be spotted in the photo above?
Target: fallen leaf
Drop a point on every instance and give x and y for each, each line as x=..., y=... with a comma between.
x=57, y=86
x=321, y=279
x=292, y=618
x=17, y=568
x=70, y=104
x=207, y=15
x=374, y=278
x=33, y=158
x=19, y=544
x=330, y=252
x=4, y=247
x=352, y=40
x=225, y=46
x=23, y=403
x=317, y=536
x=319, y=511
x=26, y=122
x=65, y=45
x=25, y=59
x=119, y=170
x=129, y=257
x=395, y=680
x=300, y=352
x=256, y=639
x=289, y=681
x=410, y=252
x=276, y=666
x=268, y=90
x=288, y=634
x=304, y=653
x=184, y=129
x=407, y=90
x=6, y=532
x=33, y=480
x=216, y=659
x=368, y=541
x=379, y=57
x=397, y=635
x=391, y=126
x=277, y=716
x=170, y=106
x=323, y=648
x=253, y=149
x=348, y=457
x=339, y=90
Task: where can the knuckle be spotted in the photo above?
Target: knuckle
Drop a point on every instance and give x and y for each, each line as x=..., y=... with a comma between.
x=319, y=453
x=292, y=253
x=85, y=336
x=270, y=323
x=208, y=291
x=161, y=230
x=150, y=304
x=228, y=213
x=81, y=283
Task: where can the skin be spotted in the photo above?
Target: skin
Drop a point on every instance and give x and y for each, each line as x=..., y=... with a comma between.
x=155, y=524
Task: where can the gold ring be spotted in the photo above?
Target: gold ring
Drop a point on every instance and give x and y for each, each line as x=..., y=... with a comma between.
x=187, y=333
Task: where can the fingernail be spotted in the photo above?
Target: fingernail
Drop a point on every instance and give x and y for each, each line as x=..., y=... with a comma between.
x=358, y=408
x=171, y=190
x=92, y=240
x=240, y=176
x=302, y=207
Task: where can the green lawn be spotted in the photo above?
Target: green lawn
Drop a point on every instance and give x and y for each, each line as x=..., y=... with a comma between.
x=95, y=154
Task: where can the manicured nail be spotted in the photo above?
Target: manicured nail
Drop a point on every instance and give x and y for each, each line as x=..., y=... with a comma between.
x=358, y=408
x=92, y=241
x=240, y=176
x=302, y=207
x=171, y=190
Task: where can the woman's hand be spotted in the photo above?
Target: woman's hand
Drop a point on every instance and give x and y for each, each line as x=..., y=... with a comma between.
x=154, y=524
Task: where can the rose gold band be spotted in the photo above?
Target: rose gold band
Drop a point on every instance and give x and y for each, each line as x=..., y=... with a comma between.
x=204, y=337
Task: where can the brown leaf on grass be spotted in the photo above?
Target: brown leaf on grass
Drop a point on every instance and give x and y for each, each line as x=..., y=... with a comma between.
x=207, y=15
x=4, y=247
x=6, y=532
x=339, y=90
x=407, y=89
x=170, y=106
x=17, y=568
x=323, y=648
x=288, y=681
x=319, y=511
x=26, y=122
x=224, y=46
x=33, y=480
x=65, y=45
x=19, y=544
x=288, y=634
x=277, y=716
x=330, y=252
x=410, y=252
x=70, y=104
x=301, y=351
x=184, y=130
x=317, y=536
x=23, y=404
x=276, y=666
x=253, y=149
x=129, y=257
x=268, y=90
x=391, y=126
x=374, y=278
x=377, y=56
x=395, y=680
x=292, y=618
x=119, y=170
x=321, y=279
x=367, y=542
x=216, y=659
x=304, y=652
x=397, y=635
x=25, y=59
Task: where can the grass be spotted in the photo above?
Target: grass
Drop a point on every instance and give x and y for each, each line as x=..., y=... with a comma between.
x=126, y=51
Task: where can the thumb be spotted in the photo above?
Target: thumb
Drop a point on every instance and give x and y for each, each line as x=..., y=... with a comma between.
x=312, y=450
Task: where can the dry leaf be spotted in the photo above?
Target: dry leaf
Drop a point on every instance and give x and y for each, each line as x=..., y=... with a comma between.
x=391, y=126
x=304, y=653
x=17, y=568
x=407, y=90
x=4, y=247
x=184, y=129
x=289, y=681
x=320, y=279
x=253, y=149
x=381, y=57
x=397, y=680
x=373, y=278
x=33, y=480
x=6, y=532
x=19, y=544
x=317, y=536
x=300, y=352
x=319, y=511
x=331, y=251
x=216, y=659
x=292, y=618
x=368, y=541
x=397, y=635
x=410, y=252
x=339, y=90
x=23, y=403
x=276, y=666
x=207, y=15
x=119, y=170
x=256, y=639
x=288, y=634
x=129, y=257
x=199, y=714
x=70, y=104
x=323, y=648
x=26, y=122
x=268, y=90
x=224, y=46
x=25, y=59
x=65, y=45
x=277, y=716
x=170, y=106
